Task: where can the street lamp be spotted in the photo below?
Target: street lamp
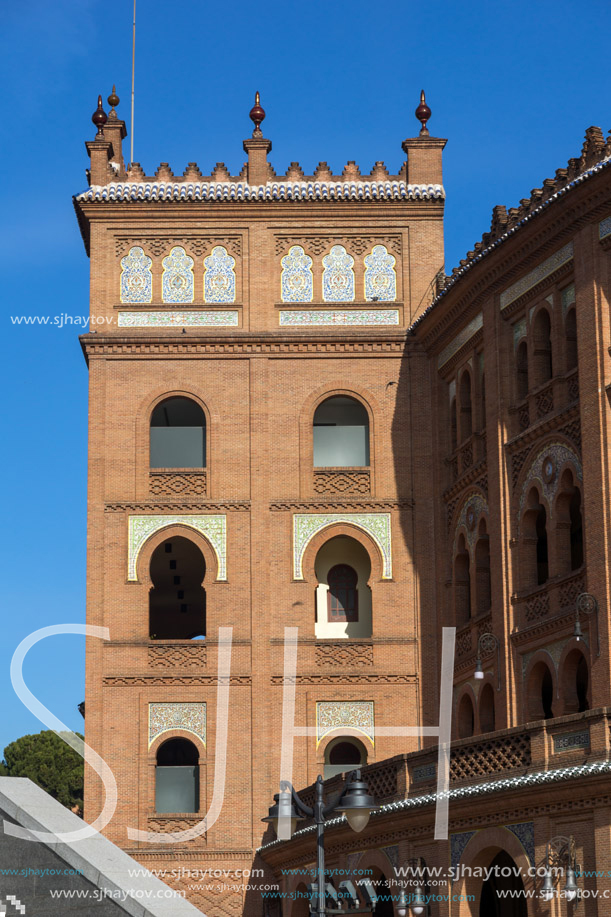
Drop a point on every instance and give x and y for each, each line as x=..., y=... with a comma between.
x=561, y=849
x=355, y=803
x=486, y=644
x=586, y=604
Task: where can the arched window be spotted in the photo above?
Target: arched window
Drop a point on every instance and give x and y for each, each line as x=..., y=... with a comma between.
x=569, y=525
x=542, y=353
x=483, y=591
x=177, y=600
x=540, y=693
x=453, y=426
x=575, y=683
x=570, y=330
x=177, y=777
x=178, y=435
x=341, y=434
x=522, y=371
x=535, y=562
x=343, y=598
x=344, y=754
x=462, y=583
x=466, y=719
x=487, y=717
x=466, y=410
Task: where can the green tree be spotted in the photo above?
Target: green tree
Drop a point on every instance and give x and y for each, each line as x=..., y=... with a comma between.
x=50, y=763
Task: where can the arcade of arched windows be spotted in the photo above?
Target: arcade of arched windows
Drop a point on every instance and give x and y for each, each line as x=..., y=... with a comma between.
x=543, y=371
x=467, y=416
x=472, y=591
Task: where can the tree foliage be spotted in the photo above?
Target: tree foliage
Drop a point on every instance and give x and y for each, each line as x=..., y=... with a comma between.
x=49, y=762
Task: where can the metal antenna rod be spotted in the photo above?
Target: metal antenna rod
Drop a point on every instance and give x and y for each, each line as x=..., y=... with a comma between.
x=131, y=155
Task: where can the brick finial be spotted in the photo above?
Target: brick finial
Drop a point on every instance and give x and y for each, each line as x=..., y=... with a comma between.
x=99, y=118
x=423, y=113
x=257, y=147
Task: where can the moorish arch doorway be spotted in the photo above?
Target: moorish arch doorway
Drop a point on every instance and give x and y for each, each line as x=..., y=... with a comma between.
x=493, y=876
x=502, y=882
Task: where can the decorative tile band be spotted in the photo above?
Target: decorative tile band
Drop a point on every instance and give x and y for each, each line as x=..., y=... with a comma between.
x=334, y=715
x=465, y=335
x=213, y=528
x=538, y=274
x=567, y=741
x=340, y=317
x=187, y=717
x=306, y=525
x=168, y=319
x=604, y=228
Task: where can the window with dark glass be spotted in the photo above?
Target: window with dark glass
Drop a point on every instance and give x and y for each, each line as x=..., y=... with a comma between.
x=177, y=777
x=177, y=600
x=341, y=434
x=343, y=600
x=178, y=435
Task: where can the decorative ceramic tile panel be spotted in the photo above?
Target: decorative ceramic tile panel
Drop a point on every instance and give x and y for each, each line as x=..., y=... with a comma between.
x=296, y=281
x=545, y=470
x=316, y=317
x=219, y=276
x=538, y=274
x=380, y=276
x=335, y=715
x=461, y=338
x=567, y=297
x=604, y=228
x=458, y=842
x=187, y=717
x=136, y=277
x=338, y=276
x=177, y=279
x=525, y=833
x=217, y=319
x=306, y=525
x=213, y=528
x=469, y=517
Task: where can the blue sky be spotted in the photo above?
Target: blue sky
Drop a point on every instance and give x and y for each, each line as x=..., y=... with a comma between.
x=511, y=85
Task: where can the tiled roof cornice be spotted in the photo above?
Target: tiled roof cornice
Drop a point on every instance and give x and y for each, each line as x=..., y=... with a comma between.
x=524, y=781
x=459, y=273
x=272, y=191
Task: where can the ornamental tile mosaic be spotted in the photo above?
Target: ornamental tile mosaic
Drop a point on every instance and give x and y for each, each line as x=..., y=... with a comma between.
x=338, y=276
x=296, y=281
x=458, y=842
x=465, y=335
x=567, y=297
x=334, y=715
x=317, y=317
x=525, y=833
x=519, y=332
x=187, y=717
x=140, y=529
x=306, y=525
x=538, y=274
x=604, y=228
x=136, y=277
x=216, y=319
x=177, y=280
x=380, y=276
x=468, y=520
x=219, y=276
x=545, y=470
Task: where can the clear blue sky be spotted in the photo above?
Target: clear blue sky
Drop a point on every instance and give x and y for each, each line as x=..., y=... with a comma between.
x=511, y=85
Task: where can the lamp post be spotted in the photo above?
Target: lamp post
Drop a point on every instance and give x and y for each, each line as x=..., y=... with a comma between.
x=486, y=644
x=561, y=849
x=586, y=604
x=355, y=803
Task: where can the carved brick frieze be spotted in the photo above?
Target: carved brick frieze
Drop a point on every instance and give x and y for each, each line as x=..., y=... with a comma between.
x=334, y=481
x=145, y=681
x=195, y=245
x=176, y=657
x=319, y=244
x=174, y=484
x=341, y=654
x=286, y=506
x=182, y=507
x=349, y=678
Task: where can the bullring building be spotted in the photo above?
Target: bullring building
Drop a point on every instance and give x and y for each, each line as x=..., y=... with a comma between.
x=299, y=421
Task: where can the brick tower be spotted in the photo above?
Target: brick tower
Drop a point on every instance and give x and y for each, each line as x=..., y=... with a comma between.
x=250, y=467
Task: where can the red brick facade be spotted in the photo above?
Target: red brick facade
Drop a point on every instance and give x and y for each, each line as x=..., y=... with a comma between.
x=485, y=401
